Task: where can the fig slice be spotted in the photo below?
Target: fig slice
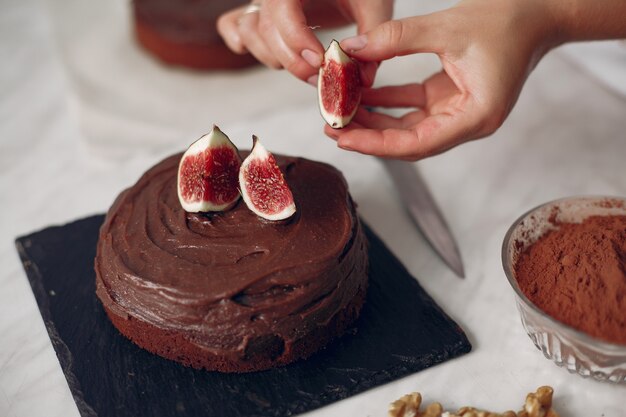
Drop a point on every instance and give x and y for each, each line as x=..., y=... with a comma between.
x=338, y=87
x=208, y=174
x=263, y=186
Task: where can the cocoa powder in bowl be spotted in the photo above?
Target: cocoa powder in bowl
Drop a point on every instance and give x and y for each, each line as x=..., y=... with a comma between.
x=576, y=273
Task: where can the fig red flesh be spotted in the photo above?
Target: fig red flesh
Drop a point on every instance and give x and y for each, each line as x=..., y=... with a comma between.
x=339, y=87
x=210, y=176
x=263, y=185
x=342, y=88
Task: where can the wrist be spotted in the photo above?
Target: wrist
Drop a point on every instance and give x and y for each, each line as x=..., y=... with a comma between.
x=585, y=20
x=540, y=26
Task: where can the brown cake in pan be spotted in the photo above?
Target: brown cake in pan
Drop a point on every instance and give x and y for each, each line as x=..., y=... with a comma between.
x=184, y=33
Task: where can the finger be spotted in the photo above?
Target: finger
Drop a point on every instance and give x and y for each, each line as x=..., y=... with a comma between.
x=368, y=15
x=389, y=143
x=375, y=120
x=367, y=138
x=288, y=59
x=408, y=95
x=228, y=28
x=397, y=38
x=368, y=72
x=290, y=21
x=249, y=32
x=367, y=119
x=332, y=133
x=431, y=136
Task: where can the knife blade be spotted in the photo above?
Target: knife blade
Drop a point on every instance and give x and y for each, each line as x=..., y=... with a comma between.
x=423, y=209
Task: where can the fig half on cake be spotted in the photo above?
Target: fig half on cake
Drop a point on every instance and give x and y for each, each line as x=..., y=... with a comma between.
x=263, y=185
x=208, y=174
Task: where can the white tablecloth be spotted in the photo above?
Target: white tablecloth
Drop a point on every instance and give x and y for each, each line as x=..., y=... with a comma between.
x=83, y=112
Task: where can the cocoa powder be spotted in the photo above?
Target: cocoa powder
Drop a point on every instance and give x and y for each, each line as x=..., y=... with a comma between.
x=577, y=274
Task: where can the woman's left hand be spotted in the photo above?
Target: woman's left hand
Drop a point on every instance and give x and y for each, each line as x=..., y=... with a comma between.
x=279, y=33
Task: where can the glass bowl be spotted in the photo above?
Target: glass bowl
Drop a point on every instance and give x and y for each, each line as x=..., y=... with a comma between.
x=572, y=349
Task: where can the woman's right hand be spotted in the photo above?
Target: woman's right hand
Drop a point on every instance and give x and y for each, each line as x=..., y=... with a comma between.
x=487, y=50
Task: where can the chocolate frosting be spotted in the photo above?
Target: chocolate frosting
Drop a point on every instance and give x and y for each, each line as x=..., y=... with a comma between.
x=229, y=279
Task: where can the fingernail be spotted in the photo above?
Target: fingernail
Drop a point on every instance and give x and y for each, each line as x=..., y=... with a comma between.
x=312, y=80
x=332, y=135
x=343, y=145
x=312, y=58
x=354, y=43
x=235, y=39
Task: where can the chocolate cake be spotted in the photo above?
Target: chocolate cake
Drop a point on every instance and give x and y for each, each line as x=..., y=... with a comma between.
x=231, y=291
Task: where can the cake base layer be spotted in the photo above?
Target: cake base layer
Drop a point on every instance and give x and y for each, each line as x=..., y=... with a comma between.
x=161, y=342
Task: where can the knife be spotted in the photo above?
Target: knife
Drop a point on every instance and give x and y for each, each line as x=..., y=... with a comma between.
x=423, y=209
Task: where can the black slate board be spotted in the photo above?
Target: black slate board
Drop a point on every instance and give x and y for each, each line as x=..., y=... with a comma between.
x=401, y=330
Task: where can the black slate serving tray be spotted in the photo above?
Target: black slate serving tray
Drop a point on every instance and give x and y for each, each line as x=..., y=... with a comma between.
x=401, y=330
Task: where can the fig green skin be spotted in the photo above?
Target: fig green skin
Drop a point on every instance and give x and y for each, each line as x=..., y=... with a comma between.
x=339, y=87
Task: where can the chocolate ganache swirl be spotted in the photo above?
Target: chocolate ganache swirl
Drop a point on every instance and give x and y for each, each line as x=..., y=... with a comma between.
x=229, y=278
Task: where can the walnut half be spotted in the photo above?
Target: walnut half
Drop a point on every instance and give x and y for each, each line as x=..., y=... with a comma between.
x=406, y=406
x=538, y=404
x=409, y=406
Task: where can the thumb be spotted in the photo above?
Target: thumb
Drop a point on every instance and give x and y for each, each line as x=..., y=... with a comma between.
x=396, y=38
